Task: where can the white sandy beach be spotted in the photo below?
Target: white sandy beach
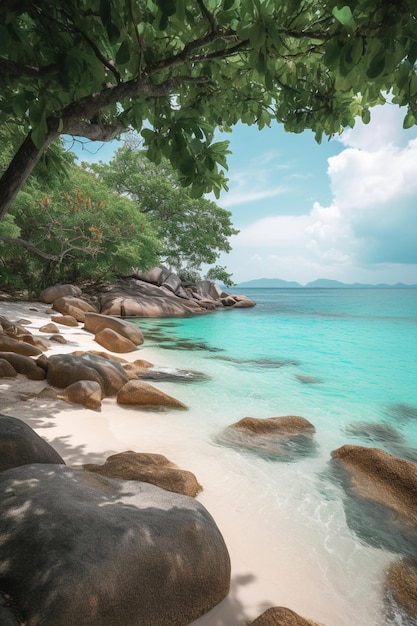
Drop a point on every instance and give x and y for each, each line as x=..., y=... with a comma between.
x=266, y=570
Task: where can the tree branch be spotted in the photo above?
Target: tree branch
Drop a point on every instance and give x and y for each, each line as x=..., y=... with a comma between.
x=29, y=246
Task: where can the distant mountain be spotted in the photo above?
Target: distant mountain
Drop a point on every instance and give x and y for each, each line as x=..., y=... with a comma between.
x=269, y=283
x=325, y=283
x=321, y=283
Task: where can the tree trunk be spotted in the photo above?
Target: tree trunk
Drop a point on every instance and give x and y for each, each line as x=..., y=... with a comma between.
x=19, y=169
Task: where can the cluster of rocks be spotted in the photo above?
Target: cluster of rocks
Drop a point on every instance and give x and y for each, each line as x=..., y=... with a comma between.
x=381, y=490
x=83, y=377
x=154, y=293
x=98, y=545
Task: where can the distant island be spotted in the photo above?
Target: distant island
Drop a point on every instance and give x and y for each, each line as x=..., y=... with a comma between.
x=321, y=283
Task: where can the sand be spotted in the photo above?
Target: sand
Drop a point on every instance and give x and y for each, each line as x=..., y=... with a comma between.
x=267, y=570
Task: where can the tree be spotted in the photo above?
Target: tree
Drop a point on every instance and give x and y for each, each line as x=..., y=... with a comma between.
x=71, y=230
x=192, y=231
x=179, y=69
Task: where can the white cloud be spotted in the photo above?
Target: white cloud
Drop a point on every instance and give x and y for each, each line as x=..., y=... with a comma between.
x=368, y=230
x=241, y=196
x=385, y=128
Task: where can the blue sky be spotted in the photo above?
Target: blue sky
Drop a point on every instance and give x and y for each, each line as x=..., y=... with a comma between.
x=345, y=209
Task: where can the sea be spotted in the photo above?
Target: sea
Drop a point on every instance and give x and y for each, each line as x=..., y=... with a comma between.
x=346, y=360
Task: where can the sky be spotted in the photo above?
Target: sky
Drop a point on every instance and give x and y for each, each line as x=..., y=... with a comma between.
x=345, y=209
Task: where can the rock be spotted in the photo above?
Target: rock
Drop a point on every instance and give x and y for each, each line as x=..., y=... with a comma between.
x=24, y=365
x=401, y=587
x=51, y=294
x=8, y=344
x=208, y=290
x=95, y=323
x=58, y=338
x=308, y=380
x=388, y=485
x=167, y=374
x=113, y=341
x=155, y=275
x=172, y=283
x=65, y=320
x=136, y=392
x=281, y=616
x=228, y=301
x=8, y=615
x=383, y=433
x=49, y=328
x=135, y=298
x=20, y=445
x=150, y=468
x=283, y=438
x=381, y=477
x=93, y=550
x=243, y=302
x=6, y=369
x=66, y=369
x=105, y=355
x=76, y=307
x=88, y=393
x=13, y=329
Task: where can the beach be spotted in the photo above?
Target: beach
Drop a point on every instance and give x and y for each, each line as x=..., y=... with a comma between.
x=273, y=564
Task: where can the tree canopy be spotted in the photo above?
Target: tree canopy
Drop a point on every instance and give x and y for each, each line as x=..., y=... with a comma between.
x=177, y=70
x=72, y=228
x=192, y=231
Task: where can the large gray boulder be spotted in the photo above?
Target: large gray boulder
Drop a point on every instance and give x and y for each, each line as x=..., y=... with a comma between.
x=80, y=549
x=20, y=445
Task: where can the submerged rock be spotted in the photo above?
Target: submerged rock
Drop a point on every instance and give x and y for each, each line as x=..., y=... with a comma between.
x=401, y=587
x=385, y=490
x=384, y=433
x=283, y=438
x=80, y=548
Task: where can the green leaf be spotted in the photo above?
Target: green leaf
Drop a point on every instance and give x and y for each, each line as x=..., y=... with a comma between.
x=345, y=17
x=38, y=135
x=377, y=65
x=123, y=53
x=333, y=51
x=20, y=105
x=409, y=120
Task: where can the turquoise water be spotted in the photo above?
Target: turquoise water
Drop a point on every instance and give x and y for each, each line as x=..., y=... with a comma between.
x=345, y=359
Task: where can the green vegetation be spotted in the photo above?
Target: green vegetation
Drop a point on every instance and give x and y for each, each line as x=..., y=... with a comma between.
x=177, y=70
x=70, y=229
x=192, y=231
x=96, y=222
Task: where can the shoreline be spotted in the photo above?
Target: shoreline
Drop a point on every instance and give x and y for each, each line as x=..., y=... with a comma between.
x=263, y=575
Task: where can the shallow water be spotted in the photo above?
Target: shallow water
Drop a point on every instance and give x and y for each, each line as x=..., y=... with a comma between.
x=346, y=359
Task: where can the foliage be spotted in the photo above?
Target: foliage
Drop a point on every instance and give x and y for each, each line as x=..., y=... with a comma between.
x=72, y=230
x=192, y=231
x=177, y=70
x=219, y=273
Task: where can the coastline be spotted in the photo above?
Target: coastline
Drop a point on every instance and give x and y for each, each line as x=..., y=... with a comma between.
x=263, y=575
